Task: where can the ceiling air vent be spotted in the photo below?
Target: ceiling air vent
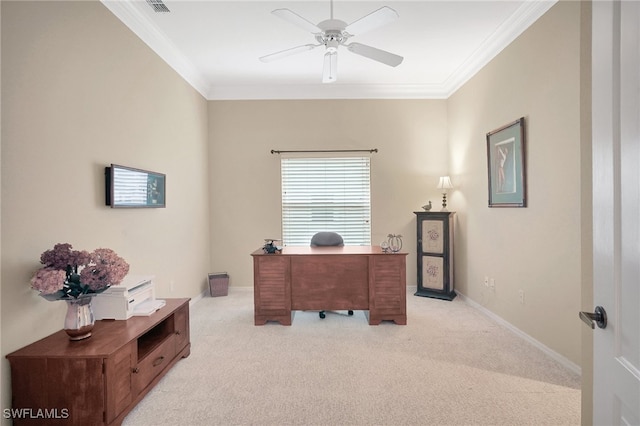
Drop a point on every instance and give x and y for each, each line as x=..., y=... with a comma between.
x=158, y=6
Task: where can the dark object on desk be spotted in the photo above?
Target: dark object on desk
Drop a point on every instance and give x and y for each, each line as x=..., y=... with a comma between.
x=327, y=239
x=270, y=246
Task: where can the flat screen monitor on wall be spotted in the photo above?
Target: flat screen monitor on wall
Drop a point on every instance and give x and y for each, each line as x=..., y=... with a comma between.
x=130, y=187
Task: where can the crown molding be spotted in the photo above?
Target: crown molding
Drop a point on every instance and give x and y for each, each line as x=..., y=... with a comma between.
x=326, y=91
x=127, y=12
x=146, y=30
x=504, y=35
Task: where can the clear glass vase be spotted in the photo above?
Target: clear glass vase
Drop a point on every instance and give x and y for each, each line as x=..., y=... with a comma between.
x=79, y=321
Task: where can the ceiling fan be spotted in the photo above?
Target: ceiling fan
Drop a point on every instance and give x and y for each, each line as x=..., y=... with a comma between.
x=332, y=33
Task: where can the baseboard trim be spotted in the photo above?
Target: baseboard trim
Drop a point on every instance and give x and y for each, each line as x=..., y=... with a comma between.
x=197, y=298
x=207, y=293
x=550, y=352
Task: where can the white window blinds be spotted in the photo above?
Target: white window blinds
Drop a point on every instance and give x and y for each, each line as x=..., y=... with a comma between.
x=326, y=194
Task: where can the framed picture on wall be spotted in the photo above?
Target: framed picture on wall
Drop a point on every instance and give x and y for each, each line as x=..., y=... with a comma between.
x=134, y=188
x=506, y=165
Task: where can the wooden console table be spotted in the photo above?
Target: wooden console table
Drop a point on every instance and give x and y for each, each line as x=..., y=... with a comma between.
x=329, y=278
x=99, y=380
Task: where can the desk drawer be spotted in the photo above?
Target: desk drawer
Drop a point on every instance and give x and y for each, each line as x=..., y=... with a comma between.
x=153, y=364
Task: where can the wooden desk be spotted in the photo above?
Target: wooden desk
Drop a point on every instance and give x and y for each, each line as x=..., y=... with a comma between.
x=329, y=278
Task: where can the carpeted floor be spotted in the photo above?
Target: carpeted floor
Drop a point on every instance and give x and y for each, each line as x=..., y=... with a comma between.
x=450, y=365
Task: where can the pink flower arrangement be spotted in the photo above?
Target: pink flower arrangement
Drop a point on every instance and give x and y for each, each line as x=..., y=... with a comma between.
x=69, y=274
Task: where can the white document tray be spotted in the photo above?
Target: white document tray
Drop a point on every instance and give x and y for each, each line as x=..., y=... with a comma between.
x=148, y=307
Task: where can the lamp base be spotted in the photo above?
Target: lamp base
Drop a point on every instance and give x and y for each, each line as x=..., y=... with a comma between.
x=444, y=202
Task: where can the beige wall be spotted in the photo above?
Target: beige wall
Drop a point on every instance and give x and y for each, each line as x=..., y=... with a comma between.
x=535, y=249
x=80, y=91
x=411, y=137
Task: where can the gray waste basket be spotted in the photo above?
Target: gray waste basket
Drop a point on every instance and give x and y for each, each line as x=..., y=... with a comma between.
x=219, y=284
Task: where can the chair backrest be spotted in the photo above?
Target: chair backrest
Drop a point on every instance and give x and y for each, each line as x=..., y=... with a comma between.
x=326, y=239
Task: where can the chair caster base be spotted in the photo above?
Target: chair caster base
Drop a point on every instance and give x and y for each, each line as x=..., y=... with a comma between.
x=323, y=315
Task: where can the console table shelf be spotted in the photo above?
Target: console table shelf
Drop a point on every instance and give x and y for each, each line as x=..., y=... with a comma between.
x=98, y=381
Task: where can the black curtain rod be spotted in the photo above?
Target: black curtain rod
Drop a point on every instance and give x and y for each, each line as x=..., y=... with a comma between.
x=273, y=151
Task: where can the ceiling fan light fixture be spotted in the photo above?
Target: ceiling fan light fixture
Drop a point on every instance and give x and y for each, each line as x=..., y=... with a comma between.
x=332, y=45
x=331, y=33
x=330, y=70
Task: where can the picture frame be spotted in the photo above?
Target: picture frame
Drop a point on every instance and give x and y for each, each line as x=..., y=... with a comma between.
x=129, y=187
x=506, y=165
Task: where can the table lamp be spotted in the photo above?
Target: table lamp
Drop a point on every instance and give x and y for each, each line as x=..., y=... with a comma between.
x=444, y=184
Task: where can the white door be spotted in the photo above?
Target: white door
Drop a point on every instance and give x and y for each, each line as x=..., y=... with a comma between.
x=616, y=210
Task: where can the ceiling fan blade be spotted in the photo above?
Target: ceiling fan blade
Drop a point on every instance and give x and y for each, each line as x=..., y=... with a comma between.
x=288, y=52
x=330, y=70
x=375, y=19
x=297, y=20
x=375, y=54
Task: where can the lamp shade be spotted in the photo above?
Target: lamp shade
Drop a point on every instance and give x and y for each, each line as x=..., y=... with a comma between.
x=445, y=183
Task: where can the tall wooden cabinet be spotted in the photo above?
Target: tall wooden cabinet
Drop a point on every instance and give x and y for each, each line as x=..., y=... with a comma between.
x=97, y=381
x=435, y=254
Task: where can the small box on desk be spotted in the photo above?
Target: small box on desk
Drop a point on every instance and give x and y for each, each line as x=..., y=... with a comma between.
x=219, y=284
x=134, y=296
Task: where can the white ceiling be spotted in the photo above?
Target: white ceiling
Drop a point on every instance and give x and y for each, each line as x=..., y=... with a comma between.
x=215, y=45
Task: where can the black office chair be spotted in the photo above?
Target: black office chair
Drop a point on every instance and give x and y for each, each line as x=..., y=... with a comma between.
x=327, y=239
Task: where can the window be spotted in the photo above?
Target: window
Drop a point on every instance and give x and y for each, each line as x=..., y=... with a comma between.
x=326, y=194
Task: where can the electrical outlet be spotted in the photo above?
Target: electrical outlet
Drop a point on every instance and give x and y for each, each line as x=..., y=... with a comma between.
x=486, y=281
x=521, y=295
x=492, y=284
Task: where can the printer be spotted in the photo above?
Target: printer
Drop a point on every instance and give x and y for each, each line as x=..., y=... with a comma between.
x=134, y=296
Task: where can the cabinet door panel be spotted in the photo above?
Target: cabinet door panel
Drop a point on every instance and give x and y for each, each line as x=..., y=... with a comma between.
x=118, y=376
x=77, y=385
x=433, y=236
x=31, y=390
x=433, y=272
x=181, y=321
